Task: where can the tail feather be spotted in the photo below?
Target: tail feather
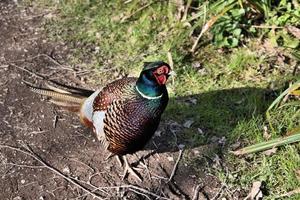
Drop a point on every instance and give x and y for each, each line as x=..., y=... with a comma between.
x=63, y=98
x=57, y=89
x=58, y=95
x=71, y=89
x=72, y=107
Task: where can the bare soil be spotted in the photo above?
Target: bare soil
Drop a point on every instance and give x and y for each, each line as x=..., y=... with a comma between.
x=57, y=137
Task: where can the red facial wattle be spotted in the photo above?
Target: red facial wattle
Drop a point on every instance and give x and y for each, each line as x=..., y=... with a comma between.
x=161, y=75
x=161, y=79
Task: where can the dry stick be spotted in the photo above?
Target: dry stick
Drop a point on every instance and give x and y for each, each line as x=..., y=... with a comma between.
x=186, y=10
x=37, y=132
x=28, y=71
x=39, y=55
x=196, y=192
x=136, y=188
x=33, y=155
x=176, y=164
x=204, y=29
x=95, y=188
x=146, y=191
x=171, y=63
x=223, y=185
x=170, y=59
x=22, y=186
x=220, y=191
x=288, y=194
x=140, y=193
x=78, y=161
x=25, y=166
x=132, y=188
x=4, y=66
x=265, y=26
x=52, y=59
x=138, y=10
x=55, y=120
x=23, y=60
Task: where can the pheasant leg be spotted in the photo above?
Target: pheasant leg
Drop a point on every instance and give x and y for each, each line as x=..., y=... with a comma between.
x=128, y=169
x=145, y=166
x=119, y=160
x=110, y=155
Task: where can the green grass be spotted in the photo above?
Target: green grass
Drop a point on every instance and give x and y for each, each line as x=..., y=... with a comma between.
x=232, y=87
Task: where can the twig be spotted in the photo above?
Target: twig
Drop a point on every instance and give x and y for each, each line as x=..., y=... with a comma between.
x=155, y=176
x=52, y=59
x=219, y=192
x=265, y=26
x=135, y=188
x=39, y=55
x=170, y=59
x=138, y=10
x=209, y=24
x=132, y=188
x=33, y=155
x=37, y=132
x=55, y=121
x=188, y=4
x=140, y=193
x=23, y=60
x=28, y=71
x=205, y=27
x=3, y=66
x=145, y=191
x=175, y=166
x=22, y=186
x=288, y=194
x=196, y=192
x=95, y=188
x=78, y=161
x=27, y=166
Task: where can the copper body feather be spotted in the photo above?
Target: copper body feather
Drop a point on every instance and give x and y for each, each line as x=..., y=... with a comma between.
x=130, y=119
x=124, y=114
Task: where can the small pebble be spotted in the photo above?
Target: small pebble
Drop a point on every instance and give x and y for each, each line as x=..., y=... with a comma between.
x=66, y=170
x=170, y=158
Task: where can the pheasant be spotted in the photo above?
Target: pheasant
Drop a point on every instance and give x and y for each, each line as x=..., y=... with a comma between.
x=123, y=115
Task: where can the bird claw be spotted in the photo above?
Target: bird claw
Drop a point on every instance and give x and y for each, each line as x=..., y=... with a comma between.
x=130, y=170
x=109, y=156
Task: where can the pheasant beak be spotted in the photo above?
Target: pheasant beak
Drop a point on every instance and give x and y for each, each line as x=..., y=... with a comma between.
x=172, y=73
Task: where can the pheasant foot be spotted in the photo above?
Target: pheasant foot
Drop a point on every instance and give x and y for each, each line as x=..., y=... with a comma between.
x=145, y=166
x=128, y=169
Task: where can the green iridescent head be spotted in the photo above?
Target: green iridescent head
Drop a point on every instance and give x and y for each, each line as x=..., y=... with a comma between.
x=157, y=71
x=153, y=78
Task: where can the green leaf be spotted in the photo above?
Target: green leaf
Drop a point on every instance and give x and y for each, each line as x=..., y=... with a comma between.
x=237, y=32
x=295, y=137
x=233, y=42
x=289, y=41
x=273, y=38
x=252, y=29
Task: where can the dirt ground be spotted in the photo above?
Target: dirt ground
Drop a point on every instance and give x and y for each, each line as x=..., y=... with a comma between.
x=72, y=163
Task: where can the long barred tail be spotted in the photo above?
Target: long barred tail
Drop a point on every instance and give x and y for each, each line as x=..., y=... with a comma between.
x=65, y=99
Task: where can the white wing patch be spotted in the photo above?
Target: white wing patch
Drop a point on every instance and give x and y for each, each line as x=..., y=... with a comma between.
x=87, y=107
x=98, y=122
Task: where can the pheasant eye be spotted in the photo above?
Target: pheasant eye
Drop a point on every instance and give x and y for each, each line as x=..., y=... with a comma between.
x=159, y=71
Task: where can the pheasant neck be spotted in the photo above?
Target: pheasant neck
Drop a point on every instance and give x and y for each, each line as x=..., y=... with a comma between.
x=148, y=89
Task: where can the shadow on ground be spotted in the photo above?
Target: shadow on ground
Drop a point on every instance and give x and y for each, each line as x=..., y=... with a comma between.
x=209, y=117
x=206, y=125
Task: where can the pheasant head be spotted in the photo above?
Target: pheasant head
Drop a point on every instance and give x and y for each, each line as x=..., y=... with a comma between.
x=153, y=78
